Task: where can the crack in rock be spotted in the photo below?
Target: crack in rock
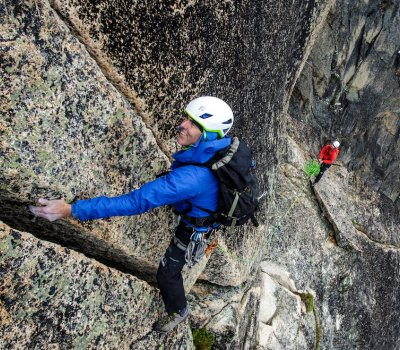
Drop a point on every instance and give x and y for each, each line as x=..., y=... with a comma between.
x=362, y=231
x=110, y=73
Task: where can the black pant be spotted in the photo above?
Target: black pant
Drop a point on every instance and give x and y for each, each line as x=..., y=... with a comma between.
x=169, y=273
x=324, y=167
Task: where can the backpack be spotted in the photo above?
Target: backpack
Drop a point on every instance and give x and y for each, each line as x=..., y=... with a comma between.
x=239, y=189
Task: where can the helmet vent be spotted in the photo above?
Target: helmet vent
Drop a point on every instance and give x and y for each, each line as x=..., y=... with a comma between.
x=228, y=122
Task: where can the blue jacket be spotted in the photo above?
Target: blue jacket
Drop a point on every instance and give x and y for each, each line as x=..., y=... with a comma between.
x=183, y=185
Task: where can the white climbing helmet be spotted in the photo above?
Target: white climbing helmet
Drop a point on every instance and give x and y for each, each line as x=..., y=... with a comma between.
x=336, y=144
x=211, y=113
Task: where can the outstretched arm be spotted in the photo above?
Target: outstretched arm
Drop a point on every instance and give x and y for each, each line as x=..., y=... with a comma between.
x=176, y=186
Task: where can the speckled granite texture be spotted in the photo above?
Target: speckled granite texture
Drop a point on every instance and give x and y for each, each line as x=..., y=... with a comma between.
x=90, y=96
x=55, y=298
x=67, y=132
x=247, y=53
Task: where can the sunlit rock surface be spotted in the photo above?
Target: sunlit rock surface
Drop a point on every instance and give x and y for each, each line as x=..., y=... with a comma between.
x=54, y=298
x=282, y=304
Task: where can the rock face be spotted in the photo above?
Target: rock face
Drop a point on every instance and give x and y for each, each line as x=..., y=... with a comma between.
x=230, y=313
x=72, y=128
x=162, y=55
x=327, y=244
x=282, y=305
x=341, y=239
x=52, y=297
x=89, y=96
x=69, y=133
x=356, y=215
x=349, y=89
x=86, y=96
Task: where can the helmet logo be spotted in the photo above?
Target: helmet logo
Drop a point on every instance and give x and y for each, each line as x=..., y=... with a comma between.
x=205, y=116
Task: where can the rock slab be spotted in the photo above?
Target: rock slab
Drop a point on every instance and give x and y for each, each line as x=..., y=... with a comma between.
x=55, y=298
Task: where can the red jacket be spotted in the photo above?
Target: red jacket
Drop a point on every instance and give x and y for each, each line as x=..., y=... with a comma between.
x=328, y=154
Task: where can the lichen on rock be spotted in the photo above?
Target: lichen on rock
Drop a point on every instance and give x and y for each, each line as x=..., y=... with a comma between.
x=54, y=297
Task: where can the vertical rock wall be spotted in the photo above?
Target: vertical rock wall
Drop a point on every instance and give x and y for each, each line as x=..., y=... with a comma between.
x=343, y=246
x=162, y=55
x=341, y=237
x=153, y=58
x=67, y=132
x=349, y=89
x=88, y=97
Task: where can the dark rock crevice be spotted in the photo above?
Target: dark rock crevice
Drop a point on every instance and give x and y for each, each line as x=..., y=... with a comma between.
x=66, y=234
x=230, y=304
x=325, y=218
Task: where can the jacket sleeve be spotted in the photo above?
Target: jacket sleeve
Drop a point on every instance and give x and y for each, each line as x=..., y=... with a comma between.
x=178, y=185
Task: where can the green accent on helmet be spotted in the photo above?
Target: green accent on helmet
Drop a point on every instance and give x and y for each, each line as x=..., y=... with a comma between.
x=198, y=121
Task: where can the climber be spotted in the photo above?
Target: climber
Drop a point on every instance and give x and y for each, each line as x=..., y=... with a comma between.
x=187, y=188
x=327, y=156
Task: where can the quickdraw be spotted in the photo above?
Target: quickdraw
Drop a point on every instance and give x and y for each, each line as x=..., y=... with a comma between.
x=198, y=246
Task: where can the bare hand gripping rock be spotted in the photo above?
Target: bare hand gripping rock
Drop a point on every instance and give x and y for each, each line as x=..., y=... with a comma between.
x=51, y=209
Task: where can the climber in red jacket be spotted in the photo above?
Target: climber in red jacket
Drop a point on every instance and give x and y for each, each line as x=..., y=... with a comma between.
x=327, y=156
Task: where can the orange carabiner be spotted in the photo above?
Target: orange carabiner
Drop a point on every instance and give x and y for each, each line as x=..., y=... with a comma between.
x=211, y=247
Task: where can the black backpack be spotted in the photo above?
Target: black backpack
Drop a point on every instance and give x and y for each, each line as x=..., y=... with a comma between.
x=239, y=190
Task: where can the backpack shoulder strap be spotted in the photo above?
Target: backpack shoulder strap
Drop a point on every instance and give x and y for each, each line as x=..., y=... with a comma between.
x=228, y=154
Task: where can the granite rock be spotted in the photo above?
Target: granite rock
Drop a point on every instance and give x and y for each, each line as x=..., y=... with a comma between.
x=355, y=214
x=342, y=238
x=229, y=313
x=162, y=54
x=55, y=298
x=88, y=96
x=86, y=93
x=340, y=241
x=281, y=304
x=67, y=132
x=349, y=89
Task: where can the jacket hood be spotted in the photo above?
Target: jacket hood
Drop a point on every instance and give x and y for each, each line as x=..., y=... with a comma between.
x=201, y=151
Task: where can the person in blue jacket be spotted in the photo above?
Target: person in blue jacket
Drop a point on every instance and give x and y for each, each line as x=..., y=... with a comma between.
x=187, y=188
